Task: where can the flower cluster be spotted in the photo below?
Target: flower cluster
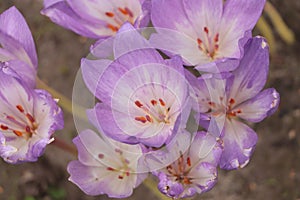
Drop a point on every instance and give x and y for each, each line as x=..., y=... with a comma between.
x=172, y=99
x=152, y=105
x=28, y=116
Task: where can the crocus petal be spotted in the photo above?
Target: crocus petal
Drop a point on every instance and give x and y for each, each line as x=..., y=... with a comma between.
x=92, y=71
x=128, y=39
x=105, y=167
x=206, y=147
x=63, y=15
x=24, y=71
x=160, y=158
x=87, y=145
x=260, y=106
x=234, y=24
x=85, y=177
x=174, y=188
x=204, y=176
x=176, y=34
x=204, y=13
x=174, y=42
x=246, y=18
x=250, y=77
x=95, y=10
x=15, y=57
x=239, y=142
x=108, y=125
x=219, y=66
x=164, y=10
x=14, y=25
x=103, y=48
x=91, y=10
x=200, y=92
x=118, y=68
x=144, y=19
x=46, y=108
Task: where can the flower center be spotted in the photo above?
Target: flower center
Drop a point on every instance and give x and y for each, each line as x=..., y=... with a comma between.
x=117, y=17
x=217, y=109
x=209, y=44
x=22, y=125
x=180, y=170
x=124, y=169
x=155, y=111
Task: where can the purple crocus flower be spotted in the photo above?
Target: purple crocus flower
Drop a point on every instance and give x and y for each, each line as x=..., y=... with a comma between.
x=226, y=99
x=194, y=171
x=97, y=19
x=17, y=45
x=144, y=97
x=105, y=166
x=28, y=118
x=202, y=31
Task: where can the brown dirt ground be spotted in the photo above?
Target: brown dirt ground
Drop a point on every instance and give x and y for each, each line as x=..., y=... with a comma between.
x=272, y=174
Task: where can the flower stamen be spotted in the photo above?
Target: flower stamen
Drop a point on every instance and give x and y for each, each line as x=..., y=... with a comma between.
x=181, y=170
x=209, y=45
x=21, y=126
x=118, y=17
x=155, y=111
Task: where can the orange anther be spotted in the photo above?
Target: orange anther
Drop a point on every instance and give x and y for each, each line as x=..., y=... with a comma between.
x=27, y=129
x=29, y=116
x=199, y=41
x=149, y=119
x=100, y=155
x=123, y=11
x=18, y=133
x=3, y=127
x=138, y=104
x=20, y=108
x=206, y=30
x=231, y=101
x=188, y=161
x=109, y=14
x=162, y=102
x=217, y=37
x=110, y=169
x=129, y=12
x=112, y=27
x=141, y=119
x=153, y=102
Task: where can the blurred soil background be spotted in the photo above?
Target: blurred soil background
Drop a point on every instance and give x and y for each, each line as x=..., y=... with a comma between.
x=272, y=174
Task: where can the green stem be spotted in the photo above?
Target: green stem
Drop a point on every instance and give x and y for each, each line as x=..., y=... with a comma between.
x=64, y=102
x=283, y=30
x=64, y=146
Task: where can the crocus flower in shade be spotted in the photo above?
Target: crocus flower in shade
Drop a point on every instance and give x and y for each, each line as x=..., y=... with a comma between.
x=225, y=100
x=194, y=171
x=105, y=166
x=17, y=45
x=28, y=118
x=97, y=19
x=202, y=31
